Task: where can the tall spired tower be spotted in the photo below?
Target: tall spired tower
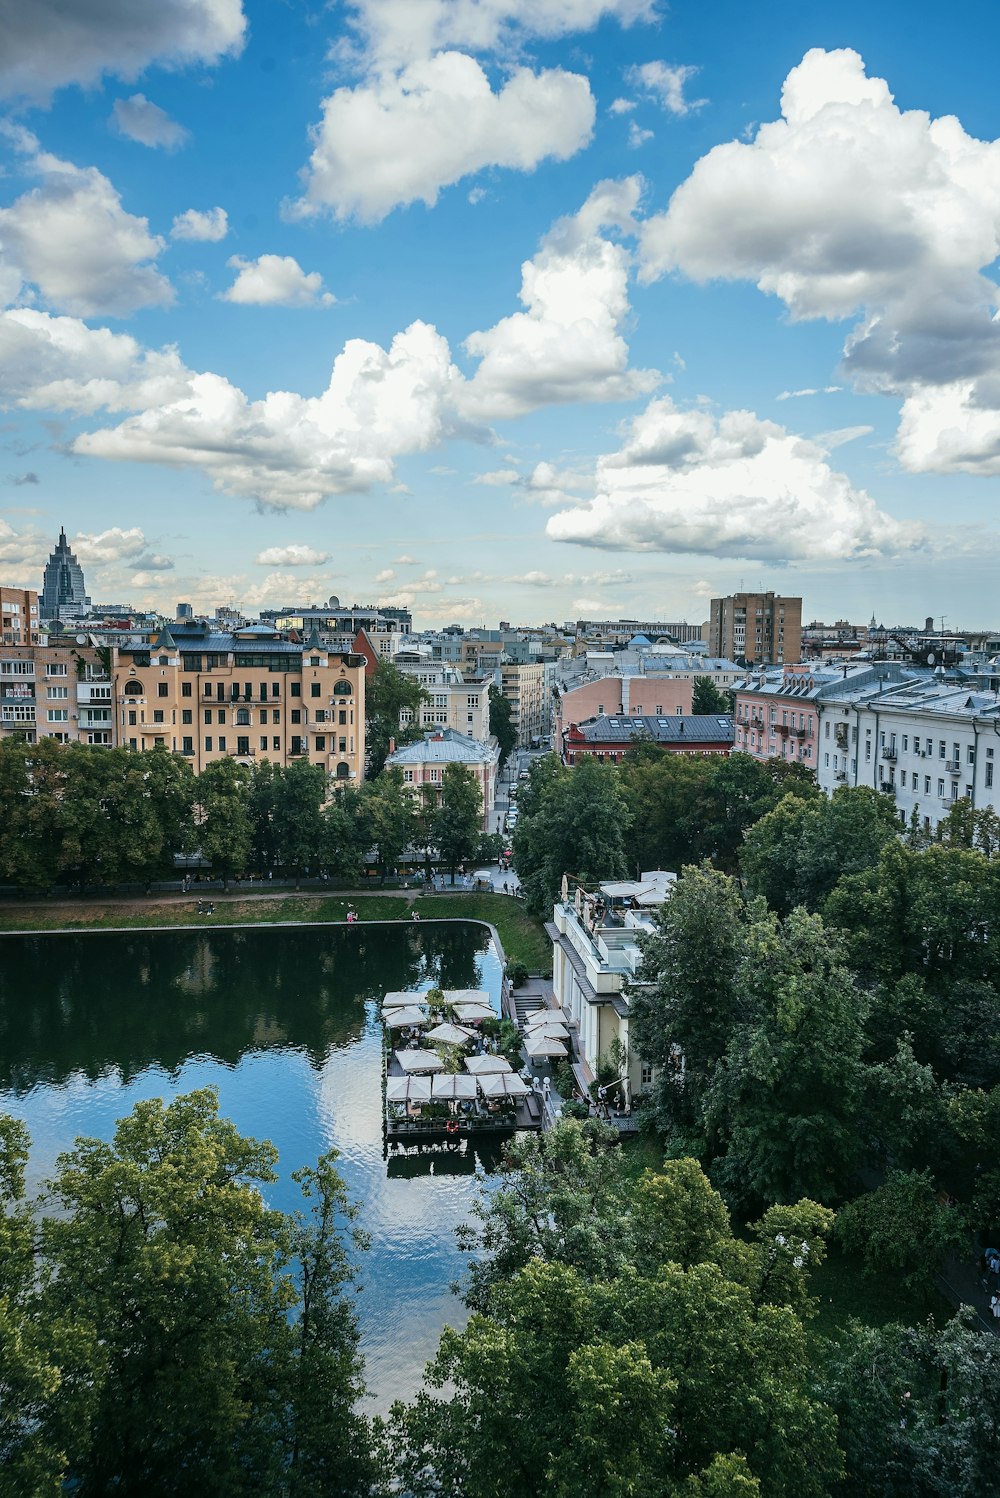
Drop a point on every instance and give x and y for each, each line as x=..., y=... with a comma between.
x=64, y=592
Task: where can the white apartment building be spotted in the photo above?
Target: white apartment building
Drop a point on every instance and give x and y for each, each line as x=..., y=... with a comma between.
x=926, y=742
x=453, y=702
x=595, y=954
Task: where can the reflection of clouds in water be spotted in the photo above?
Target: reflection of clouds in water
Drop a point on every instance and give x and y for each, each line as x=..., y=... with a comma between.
x=275, y=1091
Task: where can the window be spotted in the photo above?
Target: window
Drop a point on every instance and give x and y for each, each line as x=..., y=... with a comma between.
x=56, y=693
x=58, y=715
x=162, y=689
x=133, y=718
x=276, y=689
x=321, y=743
x=243, y=744
x=343, y=746
x=187, y=716
x=221, y=714
x=295, y=689
x=276, y=744
x=906, y=743
x=940, y=787
x=208, y=689
x=275, y=715
x=263, y=715
x=158, y=715
x=263, y=691
x=208, y=715
x=929, y=747
x=263, y=742
x=972, y=754
x=680, y=712
x=646, y=1070
x=222, y=745
x=220, y=691
x=133, y=689
x=989, y=777
x=208, y=745
x=826, y=761
x=408, y=777
x=242, y=717
x=320, y=715
x=187, y=745
x=58, y=670
x=342, y=689
x=927, y=785
x=659, y=709
x=185, y=689
x=342, y=716
x=296, y=715
x=343, y=771
x=315, y=689
x=942, y=750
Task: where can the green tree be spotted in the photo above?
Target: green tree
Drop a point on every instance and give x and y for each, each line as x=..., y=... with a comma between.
x=224, y=829
x=663, y=792
x=264, y=779
x=796, y=854
x=739, y=791
x=707, y=698
x=571, y=822
x=198, y=1341
x=391, y=818
x=684, y=1010
x=902, y=1230
x=457, y=821
x=501, y=725
x=784, y=1112
x=299, y=794
x=388, y=693
x=916, y=1409
x=346, y=832
x=31, y=784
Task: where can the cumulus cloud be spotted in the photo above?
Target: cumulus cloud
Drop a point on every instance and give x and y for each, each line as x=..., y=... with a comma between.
x=59, y=363
x=387, y=575
x=210, y=225
x=118, y=546
x=567, y=344
x=276, y=281
x=401, y=137
x=47, y=43
x=291, y=451
x=71, y=238
x=292, y=556
x=849, y=206
x=666, y=84
x=391, y=32
x=637, y=136
x=728, y=486
x=145, y=122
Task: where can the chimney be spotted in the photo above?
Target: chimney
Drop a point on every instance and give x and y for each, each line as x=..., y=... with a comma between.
x=392, y=746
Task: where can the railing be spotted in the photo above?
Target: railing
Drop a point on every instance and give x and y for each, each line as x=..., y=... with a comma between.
x=889, y=751
x=953, y=766
x=889, y=786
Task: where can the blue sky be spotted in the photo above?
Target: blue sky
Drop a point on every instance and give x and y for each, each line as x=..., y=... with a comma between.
x=503, y=308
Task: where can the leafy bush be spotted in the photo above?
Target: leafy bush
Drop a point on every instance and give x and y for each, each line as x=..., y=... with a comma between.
x=517, y=972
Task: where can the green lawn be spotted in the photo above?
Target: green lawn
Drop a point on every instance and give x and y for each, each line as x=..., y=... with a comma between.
x=521, y=935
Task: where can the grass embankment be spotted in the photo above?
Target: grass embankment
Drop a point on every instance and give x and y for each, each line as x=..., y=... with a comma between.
x=841, y=1289
x=521, y=935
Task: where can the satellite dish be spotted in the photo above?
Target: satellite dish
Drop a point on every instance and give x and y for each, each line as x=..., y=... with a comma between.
x=930, y=658
x=81, y=639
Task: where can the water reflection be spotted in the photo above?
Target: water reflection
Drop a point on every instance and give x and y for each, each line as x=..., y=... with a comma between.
x=283, y=1022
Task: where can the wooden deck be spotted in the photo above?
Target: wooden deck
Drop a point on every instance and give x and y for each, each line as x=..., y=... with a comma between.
x=527, y=1115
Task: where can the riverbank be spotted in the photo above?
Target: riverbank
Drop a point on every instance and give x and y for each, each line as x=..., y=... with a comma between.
x=522, y=936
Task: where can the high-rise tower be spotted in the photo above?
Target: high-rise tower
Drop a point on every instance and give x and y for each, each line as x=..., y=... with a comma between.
x=64, y=592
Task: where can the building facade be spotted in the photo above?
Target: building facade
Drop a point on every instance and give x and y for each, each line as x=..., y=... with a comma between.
x=61, y=691
x=453, y=700
x=657, y=695
x=526, y=687
x=423, y=765
x=64, y=591
x=763, y=629
x=251, y=695
x=19, y=616
x=612, y=738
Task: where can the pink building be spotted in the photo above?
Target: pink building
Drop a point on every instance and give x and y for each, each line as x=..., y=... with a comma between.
x=655, y=696
x=777, y=715
x=423, y=764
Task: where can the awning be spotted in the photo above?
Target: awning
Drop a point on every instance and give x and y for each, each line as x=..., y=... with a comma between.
x=451, y=1035
x=537, y=1046
x=504, y=1085
x=408, y=1089
x=481, y=1066
x=401, y=1019
x=450, y=1086
x=419, y=1061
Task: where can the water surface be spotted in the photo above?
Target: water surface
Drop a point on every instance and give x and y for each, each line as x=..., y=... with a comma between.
x=283, y=1021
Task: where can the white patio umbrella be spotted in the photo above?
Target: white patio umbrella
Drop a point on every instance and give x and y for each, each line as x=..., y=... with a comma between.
x=470, y=1009
x=554, y=1027
x=537, y=1046
x=451, y=1035
x=408, y=1089
x=453, y=1086
x=467, y=996
x=402, y=1019
x=504, y=1085
x=419, y=1061
x=545, y=1017
x=481, y=1066
x=403, y=1000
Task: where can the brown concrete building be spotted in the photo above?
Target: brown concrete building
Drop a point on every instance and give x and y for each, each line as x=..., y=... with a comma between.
x=61, y=691
x=251, y=695
x=764, y=629
x=526, y=689
x=19, y=616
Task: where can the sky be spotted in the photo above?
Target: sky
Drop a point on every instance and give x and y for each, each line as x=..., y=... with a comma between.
x=520, y=309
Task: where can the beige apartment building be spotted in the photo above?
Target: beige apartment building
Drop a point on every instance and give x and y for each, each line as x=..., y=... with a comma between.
x=764, y=629
x=452, y=700
x=525, y=688
x=60, y=691
x=251, y=695
x=19, y=616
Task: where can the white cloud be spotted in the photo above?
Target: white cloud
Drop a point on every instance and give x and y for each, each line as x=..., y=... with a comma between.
x=394, y=31
x=290, y=451
x=728, y=486
x=145, y=122
x=840, y=436
x=567, y=344
x=788, y=395
x=637, y=136
x=849, y=205
x=621, y=106
x=500, y=478
x=387, y=575
x=58, y=363
x=71, y=238
x=276, y=281
x=407, y=561
x=210, y=225
x=113, y=546
x=401, y=138
x=292, y=556
x=666, y=84
x=47, y=43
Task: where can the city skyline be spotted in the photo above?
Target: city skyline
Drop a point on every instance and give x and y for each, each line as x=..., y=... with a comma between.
x=503, y=310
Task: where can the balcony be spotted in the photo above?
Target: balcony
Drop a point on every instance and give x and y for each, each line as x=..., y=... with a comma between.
x=953, y=766
x=889, y=786
x=889, y=752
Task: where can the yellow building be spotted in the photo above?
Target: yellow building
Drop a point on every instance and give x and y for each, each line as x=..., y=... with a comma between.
x=250, y=695
x=61, y=691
